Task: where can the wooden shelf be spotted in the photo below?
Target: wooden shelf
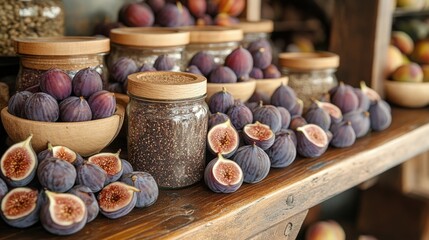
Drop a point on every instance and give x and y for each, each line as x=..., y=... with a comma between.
x=197, y=213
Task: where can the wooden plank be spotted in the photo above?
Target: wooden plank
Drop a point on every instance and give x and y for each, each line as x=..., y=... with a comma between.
x=197, y=213
x=360, y=35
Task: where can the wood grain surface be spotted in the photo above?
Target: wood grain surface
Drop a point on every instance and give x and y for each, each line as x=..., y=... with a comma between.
x=197, y=213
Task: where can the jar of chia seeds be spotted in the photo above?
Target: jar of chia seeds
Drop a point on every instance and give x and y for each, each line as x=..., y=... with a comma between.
x=161, y=48
x=310, y=74
x=218, y=41
x=255, y=30
x=70, y=54
x=167, y=126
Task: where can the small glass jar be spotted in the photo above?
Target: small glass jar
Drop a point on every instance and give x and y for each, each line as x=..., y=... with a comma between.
x=218, y=41
x=69, y=54
x=145, y=45
x=29, y=18
x=255, y=30
x=310, y=74
x=167, y=126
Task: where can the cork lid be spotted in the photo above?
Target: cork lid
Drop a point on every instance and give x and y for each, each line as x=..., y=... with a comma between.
x=309, y=60
x=263, y=26
x=214, y=34
x=161, y=85
x=149, y=36
x=61, y=46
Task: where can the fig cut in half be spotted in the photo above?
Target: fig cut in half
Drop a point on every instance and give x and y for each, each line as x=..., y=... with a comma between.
x=18, y=164
x=117, y=199
x=259, y=134
x=223, y=139
x=333, y=111
x=63, y=213
x=223, y=175
x=20, y=207
x=64, y=153
x=371, y=93
x=109, y=162
x=312, y=140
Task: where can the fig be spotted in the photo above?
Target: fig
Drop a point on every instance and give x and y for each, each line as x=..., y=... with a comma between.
x=298, y=108
x=20, y=207
x=109, y=162
x=258, y=134
x=380, y=115
x=122, y=68
x=136, y=15
x=42, y=107
x=56, y=83
x=283, y=151
x=146, y=68
x=223, y=139
x=252, y=105
x=256, y=73
x=193, y=69
x=286, y=117
x=75, y=109
x=86, y=82
x=61, y=152
x=3, y=189
x=261, y=58
x=18, y=164
x=204, y=61
x=240, y=115
x=360, y=122
x=169, y=16
x=143, y=181
x=117, y=199
x=163, y=63
x=363, y=99
x=63, y=213
x=312, y=141
x=269, y=115
x=197, y=7
x=240, y=61
x=115, y=87
x=216, y=118
x=56, y=174
x=222, y=74
x=345, y=98
x=186, y=17
x=91, y=175
x=271, y=72
x=258, y=96
x=84, y=193
x=259, y=43
x=333, y=111
x=369, y=92
x=297, y=121
x=221, y=101
x=343, y=135
x=317, y=115
x=254, y=163
x=284, y=96
x=16, y=103
x=223, y=175
x=155, y=5
x=126, y=167
x=102, y=104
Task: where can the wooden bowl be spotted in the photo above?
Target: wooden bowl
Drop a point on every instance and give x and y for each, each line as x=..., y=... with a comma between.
x=269, y=85
x=407, y=94
x=86, y=138
x=122, y=99
x=240, y=90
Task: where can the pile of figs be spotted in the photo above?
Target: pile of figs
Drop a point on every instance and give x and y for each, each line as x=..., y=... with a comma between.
x=58, y=97
x=166, y=13
x=64, y=191
x=247, y=139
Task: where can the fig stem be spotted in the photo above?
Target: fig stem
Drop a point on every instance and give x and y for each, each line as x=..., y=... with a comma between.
x=27, y=141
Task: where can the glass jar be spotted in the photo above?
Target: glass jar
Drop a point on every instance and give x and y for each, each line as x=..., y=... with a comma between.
x=29, y=18
x=255, y=30
x=167, y=126
x=69, y=54
x=218, y=41
x=310, y=74
x=145, y=45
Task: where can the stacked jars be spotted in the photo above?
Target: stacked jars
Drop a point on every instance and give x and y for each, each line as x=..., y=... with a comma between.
x=69, y=54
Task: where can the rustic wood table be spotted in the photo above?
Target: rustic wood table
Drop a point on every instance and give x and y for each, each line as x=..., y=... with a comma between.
x=271, y=209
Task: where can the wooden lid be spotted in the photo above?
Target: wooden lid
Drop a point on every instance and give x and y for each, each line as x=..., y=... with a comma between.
x=149, y=36
x=309, y=61
x=61, y=46
x=214, y=34
x=161, y=85
x=263, y=26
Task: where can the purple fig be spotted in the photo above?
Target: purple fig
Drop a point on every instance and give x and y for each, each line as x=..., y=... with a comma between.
x=122, y=68
x=271, y=72
x=298, y=108
x=86, y=82
x=16, y=103
x=297, y=121
x=223, y=175
x=318, y=116
x=136, y=15
x=260, y=43
x=102, y=104
x=216, y=118
x=345, y=98
x=380, y=115
x=75, y=109
x=284, y=96
x=146, y=68
x=169, y=16
x=204, y=61
x=283, y=151
x=256, y=73
x=42, y=107
x=156, y=5
x=258, y=96
x=269, y=115
x=261, y=58
x=222, y=74
x=221, y=101
x=56, y=83
x=193, y=69
x=312, y=141
x=286, y=117
x=363, y=99
x=254, y=163
x=360, y=122
x=343, y=135
x=240, y=61
x=164, y=63
x=240, y=115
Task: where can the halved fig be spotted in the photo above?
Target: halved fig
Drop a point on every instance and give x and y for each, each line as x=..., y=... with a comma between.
x=18, y=164
x=20, y=207
x=371, y=93
x=333, y=111
x=117, y=199
x=259, y=134
x=268, y=114
x=223, y=138
x=312, y=141
x=317, y=115
x=216, y=118
x=109, y=162
x=61, y=152
x=63, y=213
x=146, y=184
x=223, y=175
x=254, y=163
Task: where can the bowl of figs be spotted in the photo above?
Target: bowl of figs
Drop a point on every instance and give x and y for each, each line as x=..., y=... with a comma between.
x=70, y=111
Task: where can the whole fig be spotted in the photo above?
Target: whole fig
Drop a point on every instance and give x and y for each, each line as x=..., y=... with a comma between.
x=283, y=151
x=75, y=109
x=284, y=96
x=318, y=116
x=222, y=74
x=216, y=118
x=271, y=72
x=298, y=109
x=92, y=176
x=259, y=96
x=343, y=135
x=345, y=98
x=16, y=103
x=240, y=115
x=286, y=117
x=193, y=69
x=146, y=184
x=197, y=7
x=380, y=115
x=56, y=83
x=84, y=193
x=261, y=58
x=102, y=104
x=164, y=63
x=254, y=163
x=156, y=5
x=86, y=82
x=122, y=68
x=363, y=99
x=223, y=175
x=260, y=43
x=56, y=174
x=269, y=115
x=297, y=121
x=146, y=68
x=360, y=121
x=169, y=16
x=256, y=73
x=221, y=101
x=42, y=107
x=136, y=15
x=240, y=61
x=126, y=167
x=204, y=61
